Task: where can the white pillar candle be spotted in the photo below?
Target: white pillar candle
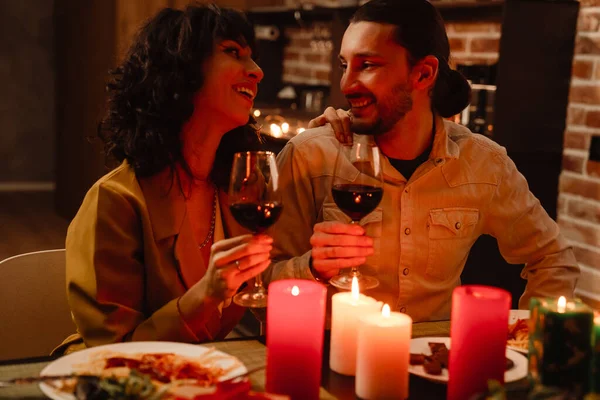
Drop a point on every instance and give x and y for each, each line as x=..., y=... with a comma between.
x=346, y=310
x=383, y=354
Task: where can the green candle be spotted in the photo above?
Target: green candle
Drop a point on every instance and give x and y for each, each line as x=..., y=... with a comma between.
x=560, y=344
x=596, y=367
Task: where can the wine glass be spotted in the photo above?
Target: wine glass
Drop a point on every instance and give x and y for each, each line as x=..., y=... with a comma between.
x=255, y=203
x=357, y=195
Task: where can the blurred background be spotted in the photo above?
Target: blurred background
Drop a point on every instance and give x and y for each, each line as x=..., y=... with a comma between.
x=534, y=66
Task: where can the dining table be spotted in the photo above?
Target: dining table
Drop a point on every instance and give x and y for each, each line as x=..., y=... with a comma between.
x=251, y=351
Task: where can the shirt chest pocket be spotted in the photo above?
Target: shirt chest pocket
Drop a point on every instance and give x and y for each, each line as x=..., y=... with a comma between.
x=452, y=232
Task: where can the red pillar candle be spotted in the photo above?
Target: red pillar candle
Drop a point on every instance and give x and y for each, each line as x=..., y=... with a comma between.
x=478, y=331
x=295, y=327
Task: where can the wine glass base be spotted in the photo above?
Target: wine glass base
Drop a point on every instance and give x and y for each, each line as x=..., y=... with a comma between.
x=251, y=299
x=344, y=281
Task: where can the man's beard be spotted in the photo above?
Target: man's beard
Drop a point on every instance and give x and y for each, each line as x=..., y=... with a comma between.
x=390, y=110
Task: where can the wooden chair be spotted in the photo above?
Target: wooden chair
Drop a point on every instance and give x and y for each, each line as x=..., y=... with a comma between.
x=34, y=313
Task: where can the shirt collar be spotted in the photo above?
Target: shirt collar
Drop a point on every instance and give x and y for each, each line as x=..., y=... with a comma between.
x=443, y=145
x=165, y=202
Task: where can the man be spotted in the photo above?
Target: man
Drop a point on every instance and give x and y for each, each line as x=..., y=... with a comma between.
x=444, y=186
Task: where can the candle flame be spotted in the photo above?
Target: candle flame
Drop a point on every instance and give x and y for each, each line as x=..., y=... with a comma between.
x=355, y=291
x=562, y=304
x=385, y=311
x=300, y=130
x=285, y=127
x=597, y=320
x=295, y=291
x=257, y=113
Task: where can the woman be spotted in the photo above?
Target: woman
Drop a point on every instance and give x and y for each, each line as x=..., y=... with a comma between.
x=146, y=254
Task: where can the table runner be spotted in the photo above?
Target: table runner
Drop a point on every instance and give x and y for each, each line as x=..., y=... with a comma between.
x=251, y=352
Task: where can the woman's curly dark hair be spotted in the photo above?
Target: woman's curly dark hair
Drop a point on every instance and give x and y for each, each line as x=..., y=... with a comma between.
x=151, y=92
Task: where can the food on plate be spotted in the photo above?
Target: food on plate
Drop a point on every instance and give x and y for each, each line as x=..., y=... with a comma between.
x=434, y=363
x=151, y=376
x=518, y=334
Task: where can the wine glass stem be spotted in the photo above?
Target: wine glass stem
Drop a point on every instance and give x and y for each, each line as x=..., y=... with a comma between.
x=354, y=270
x=258, y=283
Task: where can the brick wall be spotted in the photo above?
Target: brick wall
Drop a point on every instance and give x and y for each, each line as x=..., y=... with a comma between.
x=579, y=199
x=308, y=53
x=477, y=42
x=307, y=57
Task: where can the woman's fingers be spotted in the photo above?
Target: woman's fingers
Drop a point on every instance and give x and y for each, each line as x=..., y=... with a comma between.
x=344, y=135
x=318, y=121
x=241, y=265
x=251, y=272
x=227, y=244
x=256, y=245
x=340, y=120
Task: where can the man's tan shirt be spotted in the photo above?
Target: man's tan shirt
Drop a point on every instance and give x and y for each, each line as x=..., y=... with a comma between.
x=424, y=228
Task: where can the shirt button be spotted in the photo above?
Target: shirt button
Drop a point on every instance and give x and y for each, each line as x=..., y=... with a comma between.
x=405, y=272
x=407, y=231
x=457, y=225
x=403, y=309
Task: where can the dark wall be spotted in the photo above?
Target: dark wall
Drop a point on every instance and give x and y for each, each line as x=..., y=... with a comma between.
x=533, y=79
x=27, y=134
x=86, y=48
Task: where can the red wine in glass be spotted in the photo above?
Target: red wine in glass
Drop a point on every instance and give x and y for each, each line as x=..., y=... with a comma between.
x=356, y=201
x=357, y=189
x=256, y=217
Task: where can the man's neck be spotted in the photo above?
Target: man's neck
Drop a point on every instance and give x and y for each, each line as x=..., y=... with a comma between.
x=409, y=138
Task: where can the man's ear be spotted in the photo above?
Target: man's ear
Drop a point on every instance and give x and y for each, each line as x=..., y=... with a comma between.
x=424, y=73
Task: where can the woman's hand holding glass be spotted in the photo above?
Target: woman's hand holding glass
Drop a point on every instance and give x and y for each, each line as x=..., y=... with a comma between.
x=234, y=261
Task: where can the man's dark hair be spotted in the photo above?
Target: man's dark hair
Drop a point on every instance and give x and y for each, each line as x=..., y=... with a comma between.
x=150, y=94
x=421, y=31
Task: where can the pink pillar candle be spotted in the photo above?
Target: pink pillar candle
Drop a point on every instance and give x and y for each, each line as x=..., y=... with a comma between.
x=478, y=332
x=382, y=355
x=295, y=328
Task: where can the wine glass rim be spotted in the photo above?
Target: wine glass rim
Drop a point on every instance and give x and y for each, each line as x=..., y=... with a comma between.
x=258, y=152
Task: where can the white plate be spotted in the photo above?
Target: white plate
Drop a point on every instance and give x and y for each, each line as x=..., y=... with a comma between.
x=513, y=316
x=421, y=346
x=64, y=365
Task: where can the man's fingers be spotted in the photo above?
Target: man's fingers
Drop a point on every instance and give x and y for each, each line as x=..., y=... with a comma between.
x=336, y=227
x=319, y=239
x=341, y=252
x=330, y=267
